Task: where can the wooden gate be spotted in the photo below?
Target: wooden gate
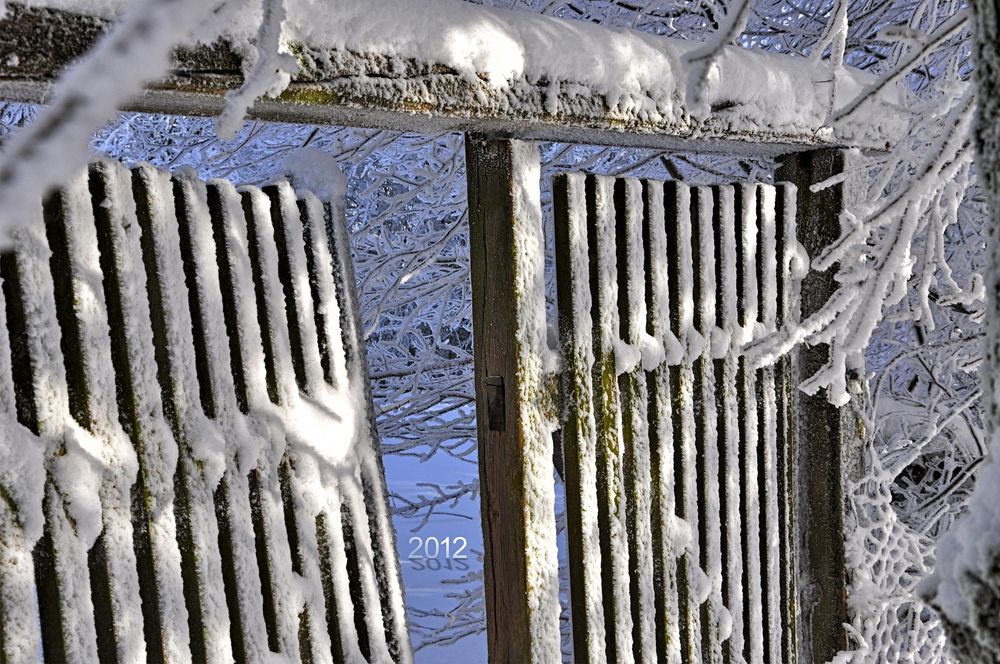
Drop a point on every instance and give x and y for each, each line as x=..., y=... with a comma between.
x=686, y=461
x=183, y=386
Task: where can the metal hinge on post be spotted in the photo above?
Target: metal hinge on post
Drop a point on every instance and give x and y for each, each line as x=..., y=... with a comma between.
x=495, y=403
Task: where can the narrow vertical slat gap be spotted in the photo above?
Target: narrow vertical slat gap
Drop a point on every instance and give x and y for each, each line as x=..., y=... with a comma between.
x=198, y=339
x=218, y=215
x=261, y=538
x=354, y=581
x=329, y=589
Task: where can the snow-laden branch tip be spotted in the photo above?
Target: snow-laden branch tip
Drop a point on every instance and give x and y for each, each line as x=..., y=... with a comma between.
x=873, y=278
x=55, y=145
x=704, y=58
x=947, y=30
x=834, y=36
x=269, y=74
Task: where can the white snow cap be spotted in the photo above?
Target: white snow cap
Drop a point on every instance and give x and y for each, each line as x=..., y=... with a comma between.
x=316, y=171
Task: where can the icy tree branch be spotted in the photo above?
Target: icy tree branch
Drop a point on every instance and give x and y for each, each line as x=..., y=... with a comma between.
x=56, y=144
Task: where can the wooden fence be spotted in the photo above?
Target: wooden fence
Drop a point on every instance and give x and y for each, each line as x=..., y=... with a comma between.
x=795, y=587
x=676, y=448
x=686, y=466
x=182, y=373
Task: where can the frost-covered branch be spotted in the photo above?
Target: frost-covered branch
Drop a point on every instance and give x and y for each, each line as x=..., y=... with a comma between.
x=948, y=30
x=702, y=59
x=56, y=144
x=270, y=72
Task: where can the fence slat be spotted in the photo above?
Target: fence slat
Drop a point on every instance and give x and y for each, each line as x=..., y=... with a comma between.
x=707, y=418
x=661, y=429
x=726, y=208
x=749, y=429
x=791, y=262
x=691, y=579
x=631, y=274
x=578, y=425
x=768, y=427
x=22, y=483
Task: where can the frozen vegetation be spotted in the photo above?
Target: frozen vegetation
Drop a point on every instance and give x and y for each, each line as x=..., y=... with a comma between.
x=906, y=321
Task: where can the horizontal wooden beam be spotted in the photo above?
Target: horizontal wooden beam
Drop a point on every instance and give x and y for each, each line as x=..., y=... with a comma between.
x=342, y=87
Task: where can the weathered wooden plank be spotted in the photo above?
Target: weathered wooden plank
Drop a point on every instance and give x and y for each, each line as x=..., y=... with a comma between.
x=750, y=512
x=382, y=91
x=827, y=449
x=578, y=424
x=515, y=444
x=661, y=430
x=677, y=204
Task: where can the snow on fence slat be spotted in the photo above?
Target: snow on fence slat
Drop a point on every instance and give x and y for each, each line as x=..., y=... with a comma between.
x=676, y=281
x=789, y=263
x=750, y=514
x=667, y=545
x=635, y=432
x=185, y=400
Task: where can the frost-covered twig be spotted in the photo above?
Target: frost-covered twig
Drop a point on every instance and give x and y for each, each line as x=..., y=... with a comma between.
x=56, y=144
x=947, y=30
x=702, y=59
x=269, y=74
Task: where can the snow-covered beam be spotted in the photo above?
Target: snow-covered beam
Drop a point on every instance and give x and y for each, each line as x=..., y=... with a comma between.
x=451, y=66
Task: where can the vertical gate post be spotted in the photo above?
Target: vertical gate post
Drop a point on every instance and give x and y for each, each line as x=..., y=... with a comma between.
x=828, y=440
x=520, y=566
